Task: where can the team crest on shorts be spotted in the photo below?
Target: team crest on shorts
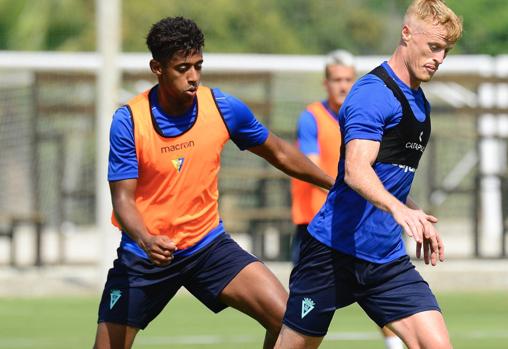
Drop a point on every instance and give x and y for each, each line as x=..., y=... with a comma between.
x=114, y=296
x=307, y=306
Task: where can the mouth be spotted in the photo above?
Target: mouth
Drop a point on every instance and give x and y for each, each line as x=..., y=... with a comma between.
x=431, y=68
x=191, y=91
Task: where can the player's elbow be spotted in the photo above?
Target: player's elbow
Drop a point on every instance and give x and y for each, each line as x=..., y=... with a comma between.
x=347, y=178
x=351, y=176
x=122, y=202
x=281, y=159
x=280, y=154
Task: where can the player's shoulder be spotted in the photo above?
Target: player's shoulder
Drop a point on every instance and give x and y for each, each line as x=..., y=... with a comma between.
x=122, y=120
x=370, y=84
x=229, y=104
x=122, y=114
x=306, y=120
x=369, y=90
x=220, y=95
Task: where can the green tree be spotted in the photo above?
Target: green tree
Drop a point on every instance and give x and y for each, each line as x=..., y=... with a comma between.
x=485, y=26
x=46, y=25
x=229, y=25
x=264, y=26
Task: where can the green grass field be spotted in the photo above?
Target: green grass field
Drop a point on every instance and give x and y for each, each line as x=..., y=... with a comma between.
x=475, y=321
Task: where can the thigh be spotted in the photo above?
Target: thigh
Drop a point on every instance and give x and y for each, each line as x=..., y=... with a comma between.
x=300, y=231
x=136, y=291
x=424, y=330
x=215, y=269
x=394, y=291
x=318, y=286
x=256, y=291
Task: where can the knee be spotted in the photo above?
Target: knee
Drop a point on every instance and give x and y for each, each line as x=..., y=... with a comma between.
x=273, y=326
x=274, y=323
x=435, y=342
x=440, y=343
x=271, y=318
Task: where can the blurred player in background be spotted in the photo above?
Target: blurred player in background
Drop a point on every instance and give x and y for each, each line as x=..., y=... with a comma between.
x=354, y=251
x=165, y=147
x=318, y=137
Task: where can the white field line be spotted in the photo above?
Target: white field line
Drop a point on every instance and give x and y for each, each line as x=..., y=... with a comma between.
x=19, y=342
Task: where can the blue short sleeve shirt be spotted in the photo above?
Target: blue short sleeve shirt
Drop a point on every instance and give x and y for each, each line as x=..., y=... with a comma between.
x=347, y=222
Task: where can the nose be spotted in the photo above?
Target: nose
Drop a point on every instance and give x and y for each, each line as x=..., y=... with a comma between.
x=193, y=75
x=344, y=86
x=440, y=56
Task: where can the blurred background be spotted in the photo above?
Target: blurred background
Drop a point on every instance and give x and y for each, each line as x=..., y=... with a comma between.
x=66, y=65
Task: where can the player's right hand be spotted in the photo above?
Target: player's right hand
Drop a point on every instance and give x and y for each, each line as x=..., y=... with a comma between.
x=411, y=221
x=159, y=248
x=419, y=226
x=433, y=247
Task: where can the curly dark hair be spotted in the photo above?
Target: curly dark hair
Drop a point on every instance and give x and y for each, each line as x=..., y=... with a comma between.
x=174, y=34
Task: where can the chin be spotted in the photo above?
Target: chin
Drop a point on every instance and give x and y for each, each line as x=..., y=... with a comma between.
x=340, y=101
x=425, y=77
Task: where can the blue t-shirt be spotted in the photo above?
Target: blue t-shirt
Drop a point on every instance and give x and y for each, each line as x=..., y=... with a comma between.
x=347, y=222
x=243, y=127
x=307, y=131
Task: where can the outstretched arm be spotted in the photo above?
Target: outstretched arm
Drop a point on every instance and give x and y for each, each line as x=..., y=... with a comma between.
x=361, y=177
x=427, y=247
x=291, y=161
x=158, y=247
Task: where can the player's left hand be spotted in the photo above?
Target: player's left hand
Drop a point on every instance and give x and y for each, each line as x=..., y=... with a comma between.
x=432, y=245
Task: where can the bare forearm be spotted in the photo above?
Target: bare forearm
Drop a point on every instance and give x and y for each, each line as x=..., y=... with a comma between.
x=130, y=220
x=291, y=161
x=365, y=182
x=297, y=165
x=315, y=158
x=159, y=248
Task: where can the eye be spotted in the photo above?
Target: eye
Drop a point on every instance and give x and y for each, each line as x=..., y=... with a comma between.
x=198, y=66
x=182, y=68
x=435, y=47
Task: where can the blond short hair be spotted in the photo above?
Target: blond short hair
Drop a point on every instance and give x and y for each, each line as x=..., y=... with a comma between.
x=436, y=12
x=339, y=57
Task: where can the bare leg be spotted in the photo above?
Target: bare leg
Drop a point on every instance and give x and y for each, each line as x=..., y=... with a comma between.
x=425, y=330
x=290, y=339
x=391, y=339
x=114, y=336
x=256, y=292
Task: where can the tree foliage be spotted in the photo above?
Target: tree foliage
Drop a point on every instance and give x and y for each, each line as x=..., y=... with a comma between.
x=264, y=26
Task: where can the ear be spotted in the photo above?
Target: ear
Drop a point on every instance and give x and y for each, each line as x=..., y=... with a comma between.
x=325, y=77
x=156, y=67
x=406, y=33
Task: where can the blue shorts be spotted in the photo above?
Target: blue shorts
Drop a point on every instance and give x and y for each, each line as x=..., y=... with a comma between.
x=324, y=280
x=137, y=290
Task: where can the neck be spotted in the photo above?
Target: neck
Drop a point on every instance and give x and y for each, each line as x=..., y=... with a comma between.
x=172, y=106
x=333, y=106
x=400, y=67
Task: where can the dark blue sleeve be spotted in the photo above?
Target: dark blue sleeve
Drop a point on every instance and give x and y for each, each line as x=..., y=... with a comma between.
x=123, y=163
x=369, y=109
x=244, y=129
x=307, y=134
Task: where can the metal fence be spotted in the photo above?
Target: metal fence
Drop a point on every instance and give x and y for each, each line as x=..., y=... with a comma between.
x=48, y=149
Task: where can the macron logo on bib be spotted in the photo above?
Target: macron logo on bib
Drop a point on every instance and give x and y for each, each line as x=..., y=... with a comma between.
x=307, y=306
